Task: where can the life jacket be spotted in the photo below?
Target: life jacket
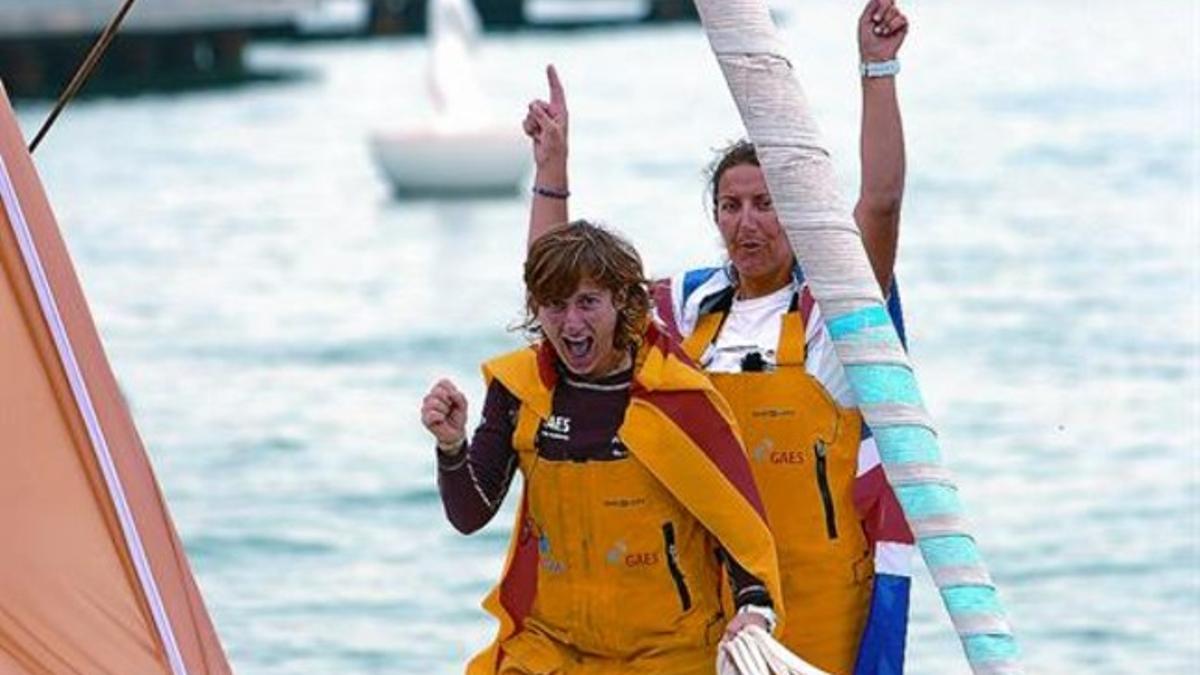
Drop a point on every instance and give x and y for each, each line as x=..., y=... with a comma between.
x=803, y=450
x=615, y=560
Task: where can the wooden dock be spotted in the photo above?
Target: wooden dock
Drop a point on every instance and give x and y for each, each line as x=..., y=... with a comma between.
x=408, y=16
x=49, y=18
x=178, y=43
x=42, y=41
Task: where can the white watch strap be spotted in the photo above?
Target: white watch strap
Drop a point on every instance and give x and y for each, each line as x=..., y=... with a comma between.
x=880, y=68
x=765, y=612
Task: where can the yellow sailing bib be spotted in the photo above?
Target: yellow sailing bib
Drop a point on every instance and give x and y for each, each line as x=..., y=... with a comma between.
x=803, y=450
x=612, y=566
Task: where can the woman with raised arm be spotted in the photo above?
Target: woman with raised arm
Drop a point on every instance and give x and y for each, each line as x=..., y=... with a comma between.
x=636, y=486
x=843, y=543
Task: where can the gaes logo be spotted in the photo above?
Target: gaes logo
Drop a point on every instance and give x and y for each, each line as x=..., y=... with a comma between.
x=619, y=555
x=557, y=427
x=765, y=452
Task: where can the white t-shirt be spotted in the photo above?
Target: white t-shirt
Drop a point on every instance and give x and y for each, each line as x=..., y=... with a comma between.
x=751, y=326
x=754, y=325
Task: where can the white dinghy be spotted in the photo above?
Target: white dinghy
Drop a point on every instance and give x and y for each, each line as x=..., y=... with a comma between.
x=463, y=150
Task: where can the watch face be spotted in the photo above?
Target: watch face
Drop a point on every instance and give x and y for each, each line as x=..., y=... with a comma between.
x=881, y=68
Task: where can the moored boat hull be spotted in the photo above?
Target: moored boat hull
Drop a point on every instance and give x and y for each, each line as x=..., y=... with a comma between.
x=482, y=161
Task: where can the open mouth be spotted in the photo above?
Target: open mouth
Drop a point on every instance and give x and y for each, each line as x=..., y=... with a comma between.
x=578, y=348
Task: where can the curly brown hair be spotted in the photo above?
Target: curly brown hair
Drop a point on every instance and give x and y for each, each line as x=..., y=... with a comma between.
x=577, y=251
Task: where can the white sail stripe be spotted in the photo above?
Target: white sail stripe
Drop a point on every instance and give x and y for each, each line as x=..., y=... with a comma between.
x=83, y=400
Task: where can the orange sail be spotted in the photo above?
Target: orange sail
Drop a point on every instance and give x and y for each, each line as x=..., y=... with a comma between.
x=93, y=577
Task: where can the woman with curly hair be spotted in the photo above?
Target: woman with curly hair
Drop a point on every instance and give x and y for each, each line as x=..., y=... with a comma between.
x=636, y=488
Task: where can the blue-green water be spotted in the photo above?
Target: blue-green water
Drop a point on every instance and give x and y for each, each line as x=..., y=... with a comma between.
x=275, y=316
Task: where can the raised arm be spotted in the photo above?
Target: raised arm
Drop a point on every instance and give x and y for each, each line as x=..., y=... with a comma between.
x=881, y=30
x=546, y=126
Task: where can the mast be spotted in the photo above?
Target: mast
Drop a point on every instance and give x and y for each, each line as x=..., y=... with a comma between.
x=829, y=247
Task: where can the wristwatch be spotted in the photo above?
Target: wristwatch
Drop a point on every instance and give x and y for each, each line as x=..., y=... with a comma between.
x=880, y=68
x=765, y=612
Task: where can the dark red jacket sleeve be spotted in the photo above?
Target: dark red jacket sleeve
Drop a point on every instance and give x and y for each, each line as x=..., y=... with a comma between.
x=473, y=481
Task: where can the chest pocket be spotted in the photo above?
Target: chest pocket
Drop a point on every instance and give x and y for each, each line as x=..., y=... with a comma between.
x=803, y=450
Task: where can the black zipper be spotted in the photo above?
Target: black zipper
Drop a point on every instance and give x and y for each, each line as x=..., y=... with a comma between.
x=826, y=497
x=685, y=598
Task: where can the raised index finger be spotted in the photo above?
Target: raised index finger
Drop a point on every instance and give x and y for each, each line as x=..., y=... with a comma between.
x=557, y=97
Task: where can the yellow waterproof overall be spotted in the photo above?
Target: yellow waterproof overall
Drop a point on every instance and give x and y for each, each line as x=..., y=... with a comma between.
x=803, y=451
x=627, y=579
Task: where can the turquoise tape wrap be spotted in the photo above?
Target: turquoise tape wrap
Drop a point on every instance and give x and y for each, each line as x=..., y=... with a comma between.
x=907, y=445
x=877, y=385
x=844, y=326
x=925, y=501
x=951, y=551
x=885, y=384
x=986, y=648
x=972, y=600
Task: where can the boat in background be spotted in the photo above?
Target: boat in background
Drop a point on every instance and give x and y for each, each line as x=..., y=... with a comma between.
x=464, y=149
x=483, y=161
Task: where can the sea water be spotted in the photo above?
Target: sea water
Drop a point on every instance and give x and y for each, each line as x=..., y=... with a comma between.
x=275, y=316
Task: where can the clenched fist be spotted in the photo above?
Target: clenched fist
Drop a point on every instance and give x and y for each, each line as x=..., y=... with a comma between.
x=881, y=30
x=444, y=414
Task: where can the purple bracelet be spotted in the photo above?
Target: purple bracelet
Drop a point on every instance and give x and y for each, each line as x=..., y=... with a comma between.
x=551, y=192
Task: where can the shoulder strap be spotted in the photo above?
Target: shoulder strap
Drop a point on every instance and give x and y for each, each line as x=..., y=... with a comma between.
x=793, y=345
x=524, y=437
x=792, y=348
x=707, y=327
x=793, y=335
x=521, y=373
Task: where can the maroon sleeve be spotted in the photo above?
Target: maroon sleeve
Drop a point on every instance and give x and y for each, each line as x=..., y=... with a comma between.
x=747, y=588
x=473, y=481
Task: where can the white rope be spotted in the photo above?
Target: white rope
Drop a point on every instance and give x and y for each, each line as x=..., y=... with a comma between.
x=83, y=401
x=754, y=652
